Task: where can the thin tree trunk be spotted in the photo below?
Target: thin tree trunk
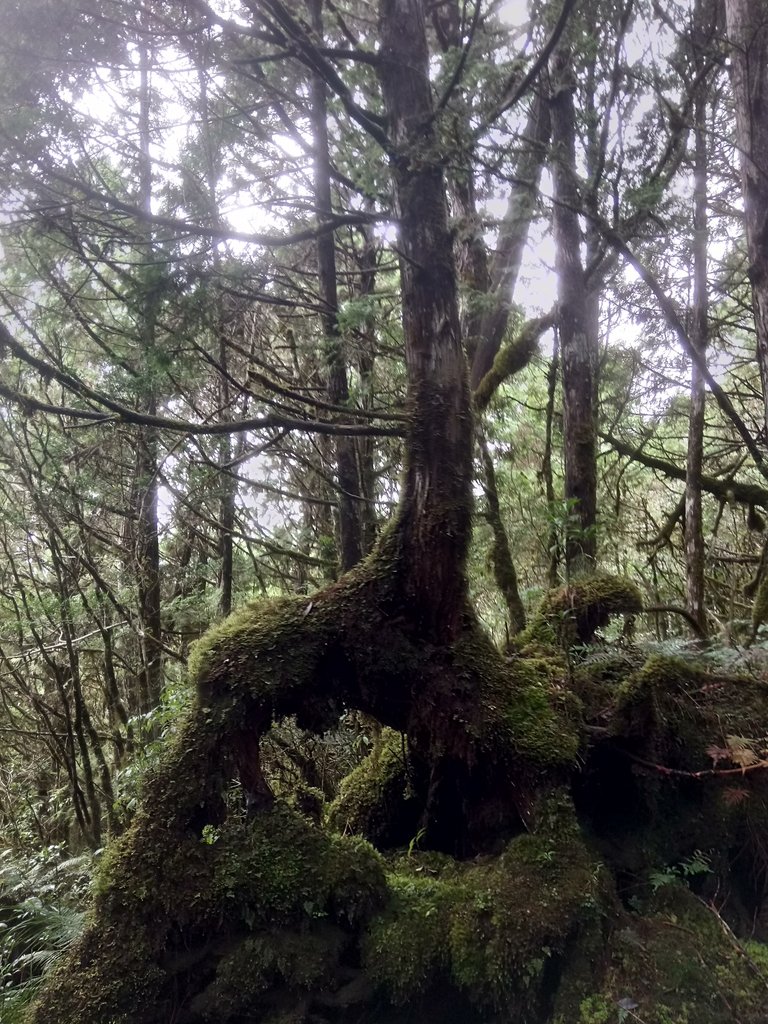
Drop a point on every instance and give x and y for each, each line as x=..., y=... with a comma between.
x=227, y=484
x=366, y=446
x=553, y=536
x=485, y=331
x=146, y=539
x=747, y=25
x=578, y=341
x=501, y=557
x=349, y=505
x=694, y=531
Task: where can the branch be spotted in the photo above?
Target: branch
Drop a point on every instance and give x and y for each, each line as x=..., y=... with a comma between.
x=675, y=609
x=726, y=490
x=512, y=358
x=675, y=323
x=331, y=223
x=310, y=55
x=124, y=414
x=535, y=69
x=705, y=773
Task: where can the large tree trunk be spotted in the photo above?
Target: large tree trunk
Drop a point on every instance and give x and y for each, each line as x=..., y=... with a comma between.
x=747, y=23
x=435, y=517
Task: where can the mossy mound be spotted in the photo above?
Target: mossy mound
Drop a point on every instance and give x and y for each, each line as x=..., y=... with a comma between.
x=494, y=931
x=674, y=963
x=206, y=913
x=678, y=765
x=151, y=949
x=570, y=614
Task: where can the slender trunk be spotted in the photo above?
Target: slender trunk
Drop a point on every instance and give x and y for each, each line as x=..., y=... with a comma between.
x=694, y=531
x=350, y=521
x=553, y=535
x=146, y=538
x=501, y=557
x=227, y=482
x=434, y=524
x=747, y=25
x=485, y=331
x=366, y=446
x=578, y=342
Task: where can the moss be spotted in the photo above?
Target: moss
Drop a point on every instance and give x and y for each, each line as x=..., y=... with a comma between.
x=512, y=357
x=665, y=779
x=157, y=909
x=293, y=963
x=597, y=679
x=674, y=964
x=522, y=710
x=573, y=612
x=491, y=928
x=376, y=800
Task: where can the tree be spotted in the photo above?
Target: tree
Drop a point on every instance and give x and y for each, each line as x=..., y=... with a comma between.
x=748, y=35
x=229, y=904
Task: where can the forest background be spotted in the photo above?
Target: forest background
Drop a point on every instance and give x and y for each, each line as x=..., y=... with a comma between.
x=203, y=377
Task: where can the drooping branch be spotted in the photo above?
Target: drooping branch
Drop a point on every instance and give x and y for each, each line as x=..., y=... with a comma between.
x=667, y=307
x=110, y=410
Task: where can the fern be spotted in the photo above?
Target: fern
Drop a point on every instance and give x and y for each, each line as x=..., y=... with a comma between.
x=41, y=914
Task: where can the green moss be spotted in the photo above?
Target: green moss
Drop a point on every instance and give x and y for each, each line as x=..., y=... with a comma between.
x=488, y=928
x=572, y=613
x=376, y=800
x=156, y=905
x=675, y=964
x=522, y=712
x=294, y=963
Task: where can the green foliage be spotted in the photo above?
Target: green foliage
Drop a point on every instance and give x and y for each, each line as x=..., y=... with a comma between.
x=697, y=864
x=41, y=914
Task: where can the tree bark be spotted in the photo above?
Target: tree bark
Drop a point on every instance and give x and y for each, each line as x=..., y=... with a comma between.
x=146, y=539
x=349, y=504
x=578, y=340
x=747, y=26
x=694, y=530
x=434, y=523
